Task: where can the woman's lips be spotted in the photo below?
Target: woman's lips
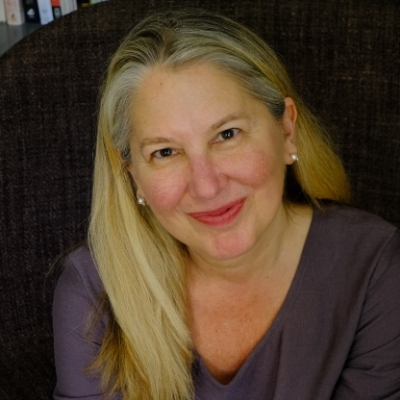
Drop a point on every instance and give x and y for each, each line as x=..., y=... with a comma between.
x=220, y=216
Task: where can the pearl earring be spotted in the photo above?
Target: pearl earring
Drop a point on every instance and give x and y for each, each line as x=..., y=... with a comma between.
x=141, y=200
x=294, y=157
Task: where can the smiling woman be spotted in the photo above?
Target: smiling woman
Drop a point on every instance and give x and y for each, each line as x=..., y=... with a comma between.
x=222, y=261
x=193, y=178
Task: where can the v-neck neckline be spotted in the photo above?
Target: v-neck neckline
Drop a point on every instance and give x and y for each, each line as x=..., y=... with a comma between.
x=287, y=306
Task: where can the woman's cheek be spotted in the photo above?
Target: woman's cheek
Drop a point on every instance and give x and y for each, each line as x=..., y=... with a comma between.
x=164, y=191
x=253, y=168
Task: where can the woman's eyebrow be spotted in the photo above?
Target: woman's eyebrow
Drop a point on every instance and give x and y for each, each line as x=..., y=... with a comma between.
x=155, y=140
x=226, y=119
x=165, y=139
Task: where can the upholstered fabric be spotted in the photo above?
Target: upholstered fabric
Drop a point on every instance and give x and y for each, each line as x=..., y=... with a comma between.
x=343, y=56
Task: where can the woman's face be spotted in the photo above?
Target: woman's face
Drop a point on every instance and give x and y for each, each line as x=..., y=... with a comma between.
x=209, y=159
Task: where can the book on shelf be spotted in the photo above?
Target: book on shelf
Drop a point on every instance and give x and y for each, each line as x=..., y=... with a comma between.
x=14, y=12
x=45, y=11
x=31, y=11
x=67, y=6
x=3, y=17
x=56, y=8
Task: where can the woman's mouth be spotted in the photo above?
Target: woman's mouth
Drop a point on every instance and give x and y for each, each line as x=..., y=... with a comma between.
x=220, y=216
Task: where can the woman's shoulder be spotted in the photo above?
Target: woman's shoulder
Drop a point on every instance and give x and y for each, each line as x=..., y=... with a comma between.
x=345, y=220
x=79, y=271
x=350, y=240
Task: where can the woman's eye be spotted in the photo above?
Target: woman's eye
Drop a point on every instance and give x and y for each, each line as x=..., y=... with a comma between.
x=163, y=153
x=227, y=134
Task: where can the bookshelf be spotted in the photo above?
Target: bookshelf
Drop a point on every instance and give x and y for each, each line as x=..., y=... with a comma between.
x=11, y=34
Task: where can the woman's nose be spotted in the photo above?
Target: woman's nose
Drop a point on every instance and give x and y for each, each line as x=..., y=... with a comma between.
x=206, y=179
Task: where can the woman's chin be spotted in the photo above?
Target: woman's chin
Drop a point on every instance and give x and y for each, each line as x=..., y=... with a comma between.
x=220, y=252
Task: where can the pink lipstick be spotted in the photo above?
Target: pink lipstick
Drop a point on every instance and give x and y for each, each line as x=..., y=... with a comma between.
x=220, y=216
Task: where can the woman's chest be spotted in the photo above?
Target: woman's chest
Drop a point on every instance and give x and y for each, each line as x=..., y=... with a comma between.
x=225, y=333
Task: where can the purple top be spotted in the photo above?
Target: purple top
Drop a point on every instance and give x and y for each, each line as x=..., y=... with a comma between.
x=337, y=335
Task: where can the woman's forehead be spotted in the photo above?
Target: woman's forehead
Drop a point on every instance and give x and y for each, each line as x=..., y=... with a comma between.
x=195, y=90
x=192, y=104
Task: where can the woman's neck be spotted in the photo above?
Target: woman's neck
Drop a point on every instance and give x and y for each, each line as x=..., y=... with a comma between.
x=275, y=247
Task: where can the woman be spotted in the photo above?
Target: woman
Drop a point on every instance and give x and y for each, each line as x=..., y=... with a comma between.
x=221, y=264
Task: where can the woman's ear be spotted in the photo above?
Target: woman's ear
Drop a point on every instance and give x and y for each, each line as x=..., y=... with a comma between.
x=139, y=194
x=289, y=129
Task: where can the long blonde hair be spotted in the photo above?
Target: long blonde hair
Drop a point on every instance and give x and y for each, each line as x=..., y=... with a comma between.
x=147, y=350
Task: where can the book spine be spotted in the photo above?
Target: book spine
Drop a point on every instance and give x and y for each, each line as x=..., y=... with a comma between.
x=45, y=11
x=3, y=17
x=56, y=8
x=31, y=11
x=14, y=12
x=67, y=6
